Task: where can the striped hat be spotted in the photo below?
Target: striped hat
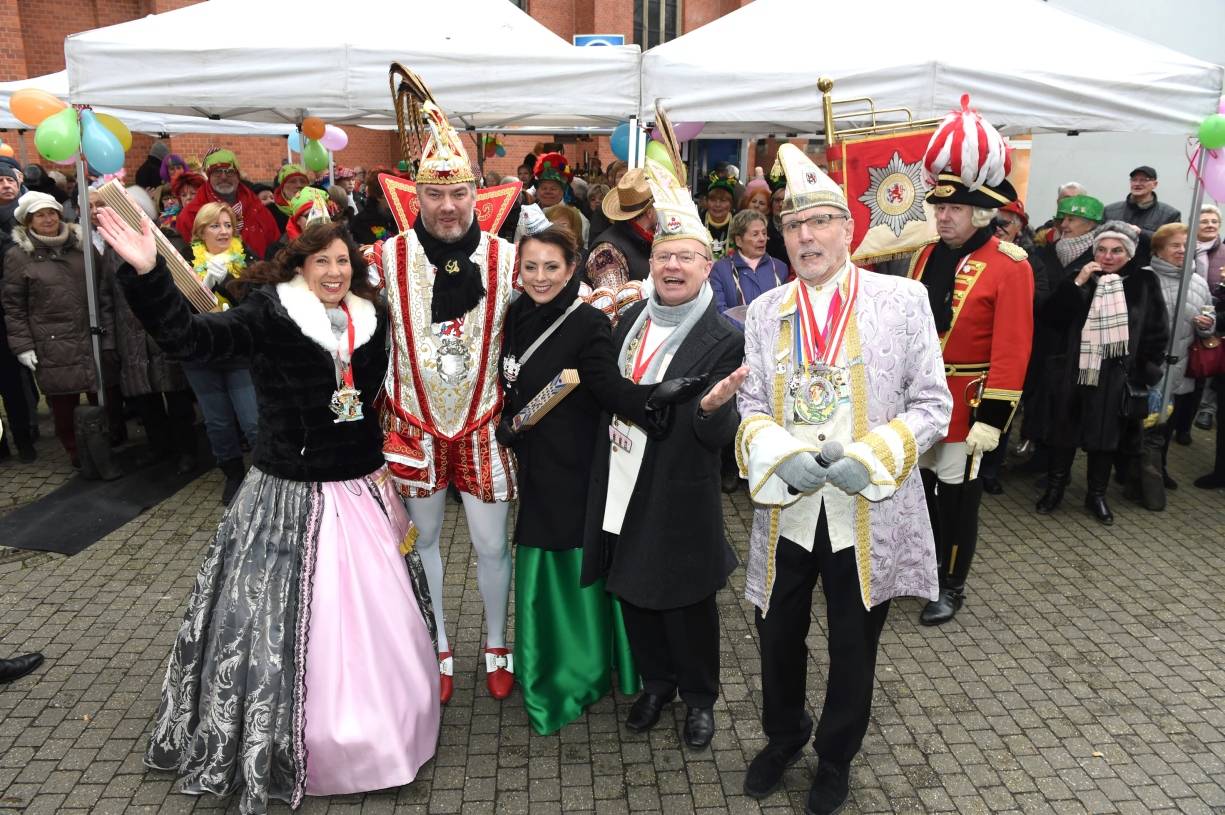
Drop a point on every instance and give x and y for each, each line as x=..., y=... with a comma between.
x=967, y=161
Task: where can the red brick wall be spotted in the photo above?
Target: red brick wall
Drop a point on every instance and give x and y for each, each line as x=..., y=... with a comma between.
x=12, y=49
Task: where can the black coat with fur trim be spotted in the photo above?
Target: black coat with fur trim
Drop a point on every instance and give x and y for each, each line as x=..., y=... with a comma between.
x=284, y=331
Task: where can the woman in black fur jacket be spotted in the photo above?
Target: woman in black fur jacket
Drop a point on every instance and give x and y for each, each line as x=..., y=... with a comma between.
x=305, y=664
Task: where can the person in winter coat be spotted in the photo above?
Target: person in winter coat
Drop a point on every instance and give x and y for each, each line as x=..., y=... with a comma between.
x=257, y=702
x=290, y=180
x=1075, y=220
x=569, y=640
x=149, y=174
x=375, y=222
x=252, y=220
x=1210, y=264
x=1142, y=209
x=1109, y=330
x=223, y=388
x=152, y=384
x=1169, y=252
x=47, y=312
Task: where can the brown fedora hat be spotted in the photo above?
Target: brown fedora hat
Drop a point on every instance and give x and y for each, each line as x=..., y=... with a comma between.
x=629, y=198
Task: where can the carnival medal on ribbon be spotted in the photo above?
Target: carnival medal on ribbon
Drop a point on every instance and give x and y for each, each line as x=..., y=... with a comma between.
x=346, y=401
x=818, y=384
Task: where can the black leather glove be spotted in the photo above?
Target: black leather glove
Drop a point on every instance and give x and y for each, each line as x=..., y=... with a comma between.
x=676, y=391
x=505, y=434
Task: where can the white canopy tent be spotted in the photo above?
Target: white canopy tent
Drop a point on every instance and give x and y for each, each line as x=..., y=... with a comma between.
x=1037, y=69
x=489, y=64
x=138, y=121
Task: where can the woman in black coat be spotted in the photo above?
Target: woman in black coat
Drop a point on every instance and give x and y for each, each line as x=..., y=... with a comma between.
x=568, y=639
x=305, y=584
x=1104, y=416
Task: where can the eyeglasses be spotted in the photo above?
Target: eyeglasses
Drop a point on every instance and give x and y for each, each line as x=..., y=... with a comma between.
x=813, y=222
x=222, y=171
x=685, y=257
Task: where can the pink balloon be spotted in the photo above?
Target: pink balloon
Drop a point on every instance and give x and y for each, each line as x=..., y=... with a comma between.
x=334, y=138
x=68, y=162
x=684, y=131
x=1221, y=107
x=1214, y=175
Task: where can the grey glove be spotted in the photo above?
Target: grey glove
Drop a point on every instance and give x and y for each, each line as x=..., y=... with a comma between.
x=802, y=473
x=849, y=475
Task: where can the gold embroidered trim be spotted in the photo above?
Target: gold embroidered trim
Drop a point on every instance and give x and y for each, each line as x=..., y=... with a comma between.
x=859, y=406
x=910, y=449
x=782, y=350
x=880, y=449
x=867, y=465
x=744, y=439
x=410, y=541
x=1003, y=394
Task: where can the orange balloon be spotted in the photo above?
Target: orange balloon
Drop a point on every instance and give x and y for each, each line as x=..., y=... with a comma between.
x=6, y=150
x=313, y=127
x=31, y=105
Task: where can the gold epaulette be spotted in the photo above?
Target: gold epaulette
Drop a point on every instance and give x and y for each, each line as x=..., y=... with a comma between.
x=1013, y=251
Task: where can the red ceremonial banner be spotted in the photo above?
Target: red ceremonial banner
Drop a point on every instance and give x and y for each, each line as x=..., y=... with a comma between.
x=882, y=178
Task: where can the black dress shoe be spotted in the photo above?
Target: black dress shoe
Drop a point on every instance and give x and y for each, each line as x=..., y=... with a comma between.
x=18, y=667
x=992, y=486
x=830, y=788
x=1183, y=438
x=730, y=482
x=699, y=727
x=1096, y=504
x=944, y=607
x=644, y=713
x=1204, y=420
x=1212, y=481
x=766, y=769
x=1170, y=484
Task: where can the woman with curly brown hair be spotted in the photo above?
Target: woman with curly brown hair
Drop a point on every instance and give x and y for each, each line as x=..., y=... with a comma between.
x=305, y=664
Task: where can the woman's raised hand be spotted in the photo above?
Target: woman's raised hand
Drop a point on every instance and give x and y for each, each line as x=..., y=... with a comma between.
x=137, y=248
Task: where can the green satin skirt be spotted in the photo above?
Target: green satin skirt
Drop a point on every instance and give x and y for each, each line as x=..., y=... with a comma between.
x=568, y=639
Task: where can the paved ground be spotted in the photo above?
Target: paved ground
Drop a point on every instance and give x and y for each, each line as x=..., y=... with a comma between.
x=1084, y=675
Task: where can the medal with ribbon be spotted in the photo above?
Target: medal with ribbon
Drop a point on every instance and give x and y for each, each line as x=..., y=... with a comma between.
x=818, y=382
x=346, y=401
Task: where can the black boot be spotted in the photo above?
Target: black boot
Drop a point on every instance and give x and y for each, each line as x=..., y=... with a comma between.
x=944, y=607
x=234, y=471
x=1099, y=478
x=1057, y=475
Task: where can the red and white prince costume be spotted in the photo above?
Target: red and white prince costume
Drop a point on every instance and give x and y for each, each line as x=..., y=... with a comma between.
x=442, y=396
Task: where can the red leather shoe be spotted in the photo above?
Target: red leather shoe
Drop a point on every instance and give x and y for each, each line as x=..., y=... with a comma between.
x=499, y=671
x=446, y=683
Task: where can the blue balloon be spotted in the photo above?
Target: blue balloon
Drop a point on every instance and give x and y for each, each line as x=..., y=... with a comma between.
x=295, y=141
x=102, y=150
x=619, y=141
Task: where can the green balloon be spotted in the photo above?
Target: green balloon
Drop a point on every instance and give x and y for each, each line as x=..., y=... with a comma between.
x=315, y=156
x=58, y=137
x=1212, y=132
x=657, y=152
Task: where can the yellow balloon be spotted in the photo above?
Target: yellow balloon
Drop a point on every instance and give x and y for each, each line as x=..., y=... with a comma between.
x=31, y=105
x=118, y=128
x=6, y=150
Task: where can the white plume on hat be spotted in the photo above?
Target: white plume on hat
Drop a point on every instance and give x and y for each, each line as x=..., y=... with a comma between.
x=967, y=146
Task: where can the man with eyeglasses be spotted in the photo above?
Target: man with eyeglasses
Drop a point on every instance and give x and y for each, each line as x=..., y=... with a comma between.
x=655, y=510
x=254, y=223
x=981, y=291
x=845, y=390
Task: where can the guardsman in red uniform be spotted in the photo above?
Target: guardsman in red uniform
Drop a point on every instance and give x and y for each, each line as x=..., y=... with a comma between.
x=982, y=294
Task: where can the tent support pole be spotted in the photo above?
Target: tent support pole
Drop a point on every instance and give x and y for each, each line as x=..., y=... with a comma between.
x=1188, y=269
x=91, y=292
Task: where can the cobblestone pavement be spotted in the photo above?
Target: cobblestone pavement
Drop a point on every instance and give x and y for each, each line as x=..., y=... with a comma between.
x=1083, y=676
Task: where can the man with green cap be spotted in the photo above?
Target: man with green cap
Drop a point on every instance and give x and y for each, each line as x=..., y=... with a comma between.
x=254, y=222
x=290, y=180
